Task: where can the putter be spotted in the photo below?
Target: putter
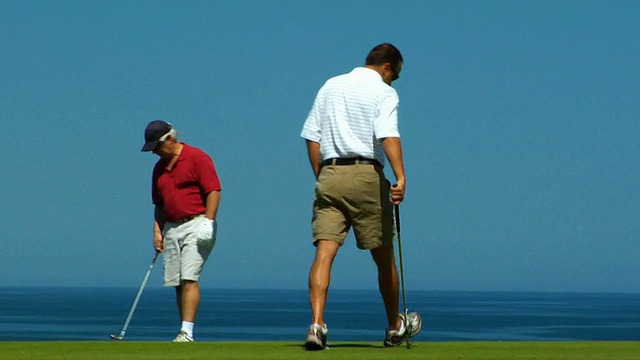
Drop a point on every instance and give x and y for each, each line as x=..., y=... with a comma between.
x=135, y=302
x=404, y=296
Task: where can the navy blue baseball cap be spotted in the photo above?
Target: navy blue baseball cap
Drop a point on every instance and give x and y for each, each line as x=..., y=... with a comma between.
x=153, y=134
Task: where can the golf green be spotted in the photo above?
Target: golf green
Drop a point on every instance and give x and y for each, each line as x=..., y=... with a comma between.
x=340, y=350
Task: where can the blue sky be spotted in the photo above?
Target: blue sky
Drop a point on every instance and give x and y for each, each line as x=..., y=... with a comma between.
x=520, y=124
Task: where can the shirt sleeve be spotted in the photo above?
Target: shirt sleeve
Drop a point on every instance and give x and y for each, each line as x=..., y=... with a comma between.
x=209, y=180
x=311, y=129
x=155, y=194
x=386, y=124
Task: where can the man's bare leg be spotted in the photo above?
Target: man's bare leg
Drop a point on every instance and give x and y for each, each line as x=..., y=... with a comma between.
x=190, y=300
x=320, y=277
x=388, y=284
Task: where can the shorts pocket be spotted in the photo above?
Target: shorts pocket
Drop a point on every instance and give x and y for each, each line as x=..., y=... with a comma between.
x=207, y=233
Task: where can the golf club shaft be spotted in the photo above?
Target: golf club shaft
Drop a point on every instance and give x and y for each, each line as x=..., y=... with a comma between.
x=135, y=302
x=404, y=296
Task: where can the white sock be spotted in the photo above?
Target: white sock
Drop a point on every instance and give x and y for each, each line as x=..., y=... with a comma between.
x=187, y=327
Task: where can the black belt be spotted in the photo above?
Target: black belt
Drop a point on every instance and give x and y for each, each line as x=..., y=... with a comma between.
x=188, y=218
x=350, y=161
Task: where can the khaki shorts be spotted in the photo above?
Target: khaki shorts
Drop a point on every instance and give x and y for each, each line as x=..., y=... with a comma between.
x=186, y=249
x=353, y=195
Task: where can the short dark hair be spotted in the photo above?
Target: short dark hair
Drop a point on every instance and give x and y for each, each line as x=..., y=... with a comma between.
x=384, y=53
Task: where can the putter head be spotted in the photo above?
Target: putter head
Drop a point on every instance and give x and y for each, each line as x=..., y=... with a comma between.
x=115, y=337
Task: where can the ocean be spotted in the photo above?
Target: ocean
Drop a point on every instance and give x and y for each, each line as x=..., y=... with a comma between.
x=50, y=314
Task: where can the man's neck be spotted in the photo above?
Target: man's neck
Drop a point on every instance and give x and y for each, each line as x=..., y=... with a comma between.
x=171, y=159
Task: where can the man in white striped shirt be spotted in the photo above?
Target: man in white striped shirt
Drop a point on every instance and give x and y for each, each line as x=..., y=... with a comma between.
x=352, y=125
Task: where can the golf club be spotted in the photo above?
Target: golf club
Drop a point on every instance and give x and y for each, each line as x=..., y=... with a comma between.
x=404, y=296
x=135, y=302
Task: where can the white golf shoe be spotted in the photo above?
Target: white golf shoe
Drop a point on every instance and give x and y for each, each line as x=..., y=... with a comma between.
x=411, y=326
x=183, y=337
x=317, y=337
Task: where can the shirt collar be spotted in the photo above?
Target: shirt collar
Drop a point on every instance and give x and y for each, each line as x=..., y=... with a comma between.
x=183, y=153
x=365, y=71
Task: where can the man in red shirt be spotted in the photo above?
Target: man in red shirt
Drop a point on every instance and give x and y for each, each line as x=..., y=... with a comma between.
x=186, y=194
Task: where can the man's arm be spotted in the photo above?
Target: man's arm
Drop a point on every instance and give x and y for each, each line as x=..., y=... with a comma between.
x=158, y=225
x=393, y=150
x=313, y=150
x=212, y=203
x=210, y=185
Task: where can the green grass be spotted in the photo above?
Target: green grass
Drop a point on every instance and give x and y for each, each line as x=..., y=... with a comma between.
x=340, y=350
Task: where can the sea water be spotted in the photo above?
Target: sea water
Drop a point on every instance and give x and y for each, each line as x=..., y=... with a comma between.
x=351, y=315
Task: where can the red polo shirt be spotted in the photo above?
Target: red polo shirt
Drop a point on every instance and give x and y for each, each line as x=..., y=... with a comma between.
x=182, y=191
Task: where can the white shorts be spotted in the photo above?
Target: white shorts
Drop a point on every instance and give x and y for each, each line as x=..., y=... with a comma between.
x=186, y=249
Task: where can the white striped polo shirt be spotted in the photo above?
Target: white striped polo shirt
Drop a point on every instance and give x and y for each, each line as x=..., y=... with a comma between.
x=352, y=114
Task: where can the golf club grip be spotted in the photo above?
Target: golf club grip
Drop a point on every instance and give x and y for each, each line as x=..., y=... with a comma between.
x=397, y=209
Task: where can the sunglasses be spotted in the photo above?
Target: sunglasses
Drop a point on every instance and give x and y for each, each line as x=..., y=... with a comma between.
x=396, y=75
x=162, y=139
